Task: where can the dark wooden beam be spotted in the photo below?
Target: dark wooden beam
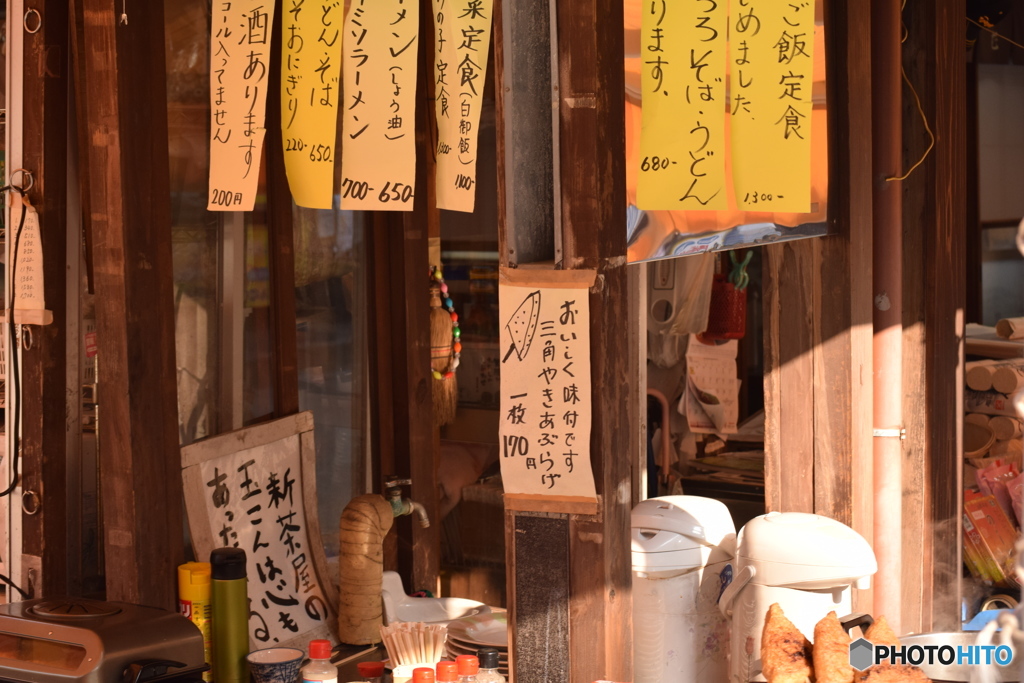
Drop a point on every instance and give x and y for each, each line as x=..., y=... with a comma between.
x=282, y=247
x=44, y=377
x=935, y=216
x=126, y=119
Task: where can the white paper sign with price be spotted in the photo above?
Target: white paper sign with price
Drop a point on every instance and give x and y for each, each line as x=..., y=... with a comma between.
x=545, y=384
x=239, y=72
x=378, y=148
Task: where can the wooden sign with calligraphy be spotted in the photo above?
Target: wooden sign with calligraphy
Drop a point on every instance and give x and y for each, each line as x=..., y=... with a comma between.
x=310, y=93
x=546, y=388
x=462, y=34
x=683, y=54
x=239, y=69
x=378, y=148
x=255, y=489
x=771, y=56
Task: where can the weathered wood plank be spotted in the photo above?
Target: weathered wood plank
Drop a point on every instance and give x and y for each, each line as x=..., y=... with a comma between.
x=591, y=153
x=790, y=393
x=542, y=579
x=945, y=269
x=43, y=371
x=130, y=200
x=526, y=145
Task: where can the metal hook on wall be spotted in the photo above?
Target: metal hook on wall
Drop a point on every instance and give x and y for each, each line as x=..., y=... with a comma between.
x=39, y=20
x=26, y=337
x=27, y=174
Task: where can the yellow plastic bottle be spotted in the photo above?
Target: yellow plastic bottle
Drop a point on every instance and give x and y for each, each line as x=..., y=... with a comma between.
x=194, y=603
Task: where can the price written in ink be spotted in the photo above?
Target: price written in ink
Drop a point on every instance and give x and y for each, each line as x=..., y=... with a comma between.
x=399, y=193
x=226, y=198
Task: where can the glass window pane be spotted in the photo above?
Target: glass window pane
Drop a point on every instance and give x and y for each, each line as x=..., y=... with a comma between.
x=331, y=332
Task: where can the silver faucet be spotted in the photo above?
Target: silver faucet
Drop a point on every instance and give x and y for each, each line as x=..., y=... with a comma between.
x=404, y=506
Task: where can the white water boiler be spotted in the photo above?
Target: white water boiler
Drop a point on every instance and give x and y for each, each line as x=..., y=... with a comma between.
x=806, y=563
x=682, y=549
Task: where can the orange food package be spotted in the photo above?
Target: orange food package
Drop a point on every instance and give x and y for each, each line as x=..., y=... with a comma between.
x=989, y=537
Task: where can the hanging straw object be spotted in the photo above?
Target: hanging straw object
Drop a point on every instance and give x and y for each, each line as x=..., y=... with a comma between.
x=445, y=348
x=414, y=642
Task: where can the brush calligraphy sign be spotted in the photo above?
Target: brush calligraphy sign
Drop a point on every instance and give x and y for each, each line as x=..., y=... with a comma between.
x=462, y=34
x=253, y=489
x=239, y=69
x=771, y=60
x=310, y=95
x=708, y=147
x=682, y=143
x=378, y=148
x=545, y=385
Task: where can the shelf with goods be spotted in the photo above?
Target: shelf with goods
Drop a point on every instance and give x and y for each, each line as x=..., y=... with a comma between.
x=992, y=449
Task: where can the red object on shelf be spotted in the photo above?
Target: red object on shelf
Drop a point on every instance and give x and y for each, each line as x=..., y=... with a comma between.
x=727, y=316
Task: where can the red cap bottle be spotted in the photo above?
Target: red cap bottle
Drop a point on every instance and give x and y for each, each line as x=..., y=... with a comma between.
x=422, y=675
x=319, y=649
x=447, y=671
x=468, y=665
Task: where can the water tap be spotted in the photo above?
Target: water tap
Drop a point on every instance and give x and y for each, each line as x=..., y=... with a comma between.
x=404, y=506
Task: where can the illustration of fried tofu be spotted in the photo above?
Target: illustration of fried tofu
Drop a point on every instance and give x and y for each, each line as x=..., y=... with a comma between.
x=831, y=651
x=785, y=652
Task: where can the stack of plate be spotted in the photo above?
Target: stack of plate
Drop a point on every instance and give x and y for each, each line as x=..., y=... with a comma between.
x=468, y=635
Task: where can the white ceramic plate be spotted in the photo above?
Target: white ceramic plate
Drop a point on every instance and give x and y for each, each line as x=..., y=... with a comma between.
x=490, y=629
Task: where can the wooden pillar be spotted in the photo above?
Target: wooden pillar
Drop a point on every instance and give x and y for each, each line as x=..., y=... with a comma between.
x=125, y=119
x=282, y=247
x=591, y=152
x=569, y=579
x=817, y=311
x=43, y=370
x=935, y=219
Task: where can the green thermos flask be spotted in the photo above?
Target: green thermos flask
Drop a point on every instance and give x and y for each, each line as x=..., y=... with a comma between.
x=230, y=600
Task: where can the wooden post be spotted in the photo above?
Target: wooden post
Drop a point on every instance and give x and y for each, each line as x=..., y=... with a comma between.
x=591, y=153
x=817, y=312
x=126, y=124
x=282, y=247
x=44, y=390
x=934, y=219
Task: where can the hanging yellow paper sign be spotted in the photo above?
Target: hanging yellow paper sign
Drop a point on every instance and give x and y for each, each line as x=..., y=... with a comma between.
x=683, y=57
x=310, y=94
x=771, y=55
x=239, y=66
x=462, y=36
x=378, y=148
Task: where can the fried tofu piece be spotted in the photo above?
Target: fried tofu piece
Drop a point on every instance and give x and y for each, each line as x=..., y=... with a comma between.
x=831, y=651
x=893, y=673
x=880, y=633
x=785, y=652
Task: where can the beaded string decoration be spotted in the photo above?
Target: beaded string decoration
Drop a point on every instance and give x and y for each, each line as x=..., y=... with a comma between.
x=445, y=348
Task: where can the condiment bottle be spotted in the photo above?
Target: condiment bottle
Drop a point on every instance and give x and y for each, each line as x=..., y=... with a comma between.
x=422, y=674
x=488, y=673
x=371, y=672
x=447, y=671
x=229, y=594
x=319, y=667
x=468, y=668
x=194, y=604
